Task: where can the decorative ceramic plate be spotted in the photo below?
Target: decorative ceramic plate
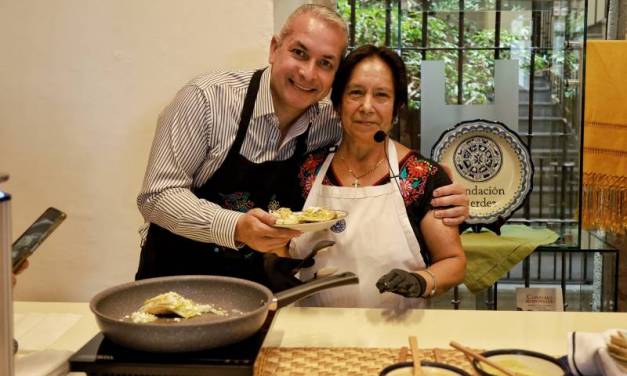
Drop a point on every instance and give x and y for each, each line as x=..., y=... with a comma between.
x=493, y=164
x=316, y=226
x=521, y=362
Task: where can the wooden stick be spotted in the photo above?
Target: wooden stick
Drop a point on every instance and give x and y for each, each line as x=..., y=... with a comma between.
x=436, y=355
x=402, y=355
x=469, y=359
x=479, y=357
x=413, y=345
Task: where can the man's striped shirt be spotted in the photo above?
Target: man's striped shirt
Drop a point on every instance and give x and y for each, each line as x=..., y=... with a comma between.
x=193, y=136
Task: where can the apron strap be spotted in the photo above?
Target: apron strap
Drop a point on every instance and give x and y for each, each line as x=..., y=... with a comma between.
x=392, y=157
x=301, y=142
x=399, y=204
x=393, y=165
x=247, y=111
x=315, y=187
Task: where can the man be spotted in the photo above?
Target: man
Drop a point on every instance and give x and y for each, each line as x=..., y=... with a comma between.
x=227, y=146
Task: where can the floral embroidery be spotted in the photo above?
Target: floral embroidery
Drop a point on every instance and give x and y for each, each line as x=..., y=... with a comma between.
x=417, y=168
x=406, y=190
x=414, y=174
x=238, y=201
x=274, y=204
x=308, y=182
x=313, y=161
x=309, y=169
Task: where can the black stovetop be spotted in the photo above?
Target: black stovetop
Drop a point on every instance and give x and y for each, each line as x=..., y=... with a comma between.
x=100, y=357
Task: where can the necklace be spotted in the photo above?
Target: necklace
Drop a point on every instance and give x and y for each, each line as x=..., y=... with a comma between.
x=357, y=177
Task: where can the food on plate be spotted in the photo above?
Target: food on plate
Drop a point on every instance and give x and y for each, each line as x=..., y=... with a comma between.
x=316, y=214
x=171, y=303
x=285, y=216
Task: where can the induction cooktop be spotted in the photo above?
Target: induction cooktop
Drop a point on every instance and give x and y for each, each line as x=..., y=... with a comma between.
x=101, y=357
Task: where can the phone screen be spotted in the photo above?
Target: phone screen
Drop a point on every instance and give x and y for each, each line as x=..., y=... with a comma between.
x=26, y=244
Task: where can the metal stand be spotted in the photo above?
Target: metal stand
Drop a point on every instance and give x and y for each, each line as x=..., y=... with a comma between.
x=456, y=301
x=492, y=302
x=487, y=299
x=495, y=226
x=6, y=299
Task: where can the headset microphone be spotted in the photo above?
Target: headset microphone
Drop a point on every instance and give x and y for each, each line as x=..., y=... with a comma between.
x=379, y=136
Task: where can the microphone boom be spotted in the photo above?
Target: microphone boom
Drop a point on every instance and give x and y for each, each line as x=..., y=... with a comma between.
x=379, y=136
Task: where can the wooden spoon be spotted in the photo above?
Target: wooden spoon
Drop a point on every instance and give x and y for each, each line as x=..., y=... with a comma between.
x=413, y=345
x=480, y=358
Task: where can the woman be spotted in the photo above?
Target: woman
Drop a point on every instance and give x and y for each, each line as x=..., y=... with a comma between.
x=390, y=224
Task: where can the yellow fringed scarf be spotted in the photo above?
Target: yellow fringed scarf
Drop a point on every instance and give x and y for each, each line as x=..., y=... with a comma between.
x=605, y=137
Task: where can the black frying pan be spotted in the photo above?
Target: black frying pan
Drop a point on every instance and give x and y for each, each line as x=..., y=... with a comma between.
x=247, y=302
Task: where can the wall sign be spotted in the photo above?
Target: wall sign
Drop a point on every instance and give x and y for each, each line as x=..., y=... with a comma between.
x=539, y=299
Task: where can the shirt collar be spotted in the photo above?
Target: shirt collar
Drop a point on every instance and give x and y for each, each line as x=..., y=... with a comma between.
x=264, y=105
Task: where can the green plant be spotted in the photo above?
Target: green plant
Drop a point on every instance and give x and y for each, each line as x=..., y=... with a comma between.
x=443, y=18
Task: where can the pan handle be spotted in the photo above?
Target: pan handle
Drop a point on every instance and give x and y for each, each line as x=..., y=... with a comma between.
x=283, y=298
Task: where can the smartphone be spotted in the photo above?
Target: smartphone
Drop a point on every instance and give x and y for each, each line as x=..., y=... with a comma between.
x=28, y=242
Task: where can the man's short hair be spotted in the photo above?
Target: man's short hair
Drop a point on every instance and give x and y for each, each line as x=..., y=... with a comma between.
x=320, y=12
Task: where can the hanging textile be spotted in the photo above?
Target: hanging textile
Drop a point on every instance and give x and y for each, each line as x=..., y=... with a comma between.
x=605, y=137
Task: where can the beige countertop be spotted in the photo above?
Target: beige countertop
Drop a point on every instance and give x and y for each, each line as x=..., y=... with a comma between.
x=333, y=327
x=76, y=335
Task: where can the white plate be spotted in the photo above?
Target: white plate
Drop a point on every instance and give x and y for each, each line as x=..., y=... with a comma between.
x=316, y=226
x=492, y=163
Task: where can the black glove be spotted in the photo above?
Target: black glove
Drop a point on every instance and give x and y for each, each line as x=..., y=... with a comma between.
x=409, y=285
x=280, y=271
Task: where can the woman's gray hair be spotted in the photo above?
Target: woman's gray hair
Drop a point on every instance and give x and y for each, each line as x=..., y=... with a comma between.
x=320, y=12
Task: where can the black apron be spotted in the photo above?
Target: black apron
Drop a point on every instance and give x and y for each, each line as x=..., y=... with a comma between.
x=238, y=184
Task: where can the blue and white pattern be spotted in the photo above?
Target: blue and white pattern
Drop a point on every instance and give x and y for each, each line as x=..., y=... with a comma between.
x=497, y=132
x=478, y=158
x=339, y=226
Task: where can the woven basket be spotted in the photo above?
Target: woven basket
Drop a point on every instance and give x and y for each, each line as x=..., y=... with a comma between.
x=345, y=361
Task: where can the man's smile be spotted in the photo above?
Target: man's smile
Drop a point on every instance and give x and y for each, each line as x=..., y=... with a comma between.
x=301, y=87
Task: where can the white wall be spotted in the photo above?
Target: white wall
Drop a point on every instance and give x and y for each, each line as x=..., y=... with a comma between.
x=81, y=85
x=283, y=8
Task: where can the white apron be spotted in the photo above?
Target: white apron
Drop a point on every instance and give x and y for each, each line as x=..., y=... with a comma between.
x=375, y=238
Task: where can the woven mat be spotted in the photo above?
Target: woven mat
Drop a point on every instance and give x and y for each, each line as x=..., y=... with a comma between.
x=345, y=361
